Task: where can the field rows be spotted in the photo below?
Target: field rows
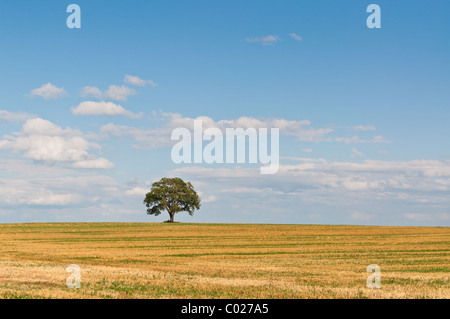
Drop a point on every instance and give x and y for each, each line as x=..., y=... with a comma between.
x=147, y=260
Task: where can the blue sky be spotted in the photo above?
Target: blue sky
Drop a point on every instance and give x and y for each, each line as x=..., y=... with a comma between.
x=374, y=149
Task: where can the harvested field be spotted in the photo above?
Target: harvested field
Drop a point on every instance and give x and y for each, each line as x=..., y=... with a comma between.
x=149, y=260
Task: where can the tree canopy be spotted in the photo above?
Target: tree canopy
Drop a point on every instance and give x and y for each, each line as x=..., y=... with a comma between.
x=172, y=195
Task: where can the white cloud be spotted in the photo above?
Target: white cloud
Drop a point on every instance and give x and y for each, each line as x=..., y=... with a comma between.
x=355, y=152
x=146, y=138
x=114, y=92
x=161, y=137
x=267, y=40
x=6, y=116
x=119, y=93
x=335, y=183
x=102, y=108
x=134, y=80
x=91, y=91
x=49, y=199
x=301, y=129
x=295, y=36
x=44, y=141
x=37, y=185
x=151, y=83
x=137, y=192
x=378, y=139
x=99, y=163
x=206, y=198
x=49, y=91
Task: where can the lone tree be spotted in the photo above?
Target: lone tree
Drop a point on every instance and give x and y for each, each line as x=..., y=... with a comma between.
x=173, y=195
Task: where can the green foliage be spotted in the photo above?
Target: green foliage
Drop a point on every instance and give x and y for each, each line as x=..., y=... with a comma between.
x=172, y=195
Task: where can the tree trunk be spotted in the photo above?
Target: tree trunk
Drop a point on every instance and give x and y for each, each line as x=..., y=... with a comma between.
x=171, y=217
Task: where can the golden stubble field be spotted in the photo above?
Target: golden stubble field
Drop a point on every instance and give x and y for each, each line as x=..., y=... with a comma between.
x=149, y=260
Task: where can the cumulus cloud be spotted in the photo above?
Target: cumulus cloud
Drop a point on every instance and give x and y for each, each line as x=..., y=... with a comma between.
x=98, y=163
x=145, y=138
x=137, y=191
x=114, y=92
x=206, y=198
x=102, y=108
x=6, y=116
x=27, y=184
x=302, y=130
x=355, y=152
x=44, y=141
x=134, y=80
x=48, y=198
x=49, y=91
x=119, y=93
x=267, y=40
x=161, y=137
x=92, y=91
x=295, y=36
x=336, y=183
x=151, y=83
